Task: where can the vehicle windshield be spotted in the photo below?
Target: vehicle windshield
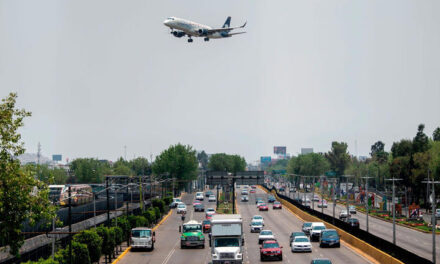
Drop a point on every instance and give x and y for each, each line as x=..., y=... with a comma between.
x=181, y=206
x=258, y=217
x=301, y=239
x=256, y=223
x=192, y=228
x=227, y=242
x=266, y=233
x=210, y=210
x=271, y=245
x=330, y=234
x=141, y=233
x=262, y=204
x=206, y=222
x=318, y=227
x=353, y=220
x=307, y=224
x=277, y=203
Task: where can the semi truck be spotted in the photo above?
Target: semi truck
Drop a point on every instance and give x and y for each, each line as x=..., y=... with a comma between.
x=192, y=235
x=226, y=239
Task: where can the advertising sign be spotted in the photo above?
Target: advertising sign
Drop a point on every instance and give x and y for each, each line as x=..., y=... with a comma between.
x=279, y=150
x=57, y=157
x=265, y=159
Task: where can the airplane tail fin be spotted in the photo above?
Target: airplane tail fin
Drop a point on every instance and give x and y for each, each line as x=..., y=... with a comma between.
x=227, y=22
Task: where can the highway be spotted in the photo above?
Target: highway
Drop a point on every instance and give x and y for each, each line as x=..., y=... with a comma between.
x=281, y=222
x=412, y=240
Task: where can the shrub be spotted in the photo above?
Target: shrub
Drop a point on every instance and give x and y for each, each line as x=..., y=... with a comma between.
x=119, y=235
x=80, y=254
x=157, y=213
x=159, y=204
x=168, y=200
x=107, y=240
x=43, y=261
x=93, y=242
x=150, y=216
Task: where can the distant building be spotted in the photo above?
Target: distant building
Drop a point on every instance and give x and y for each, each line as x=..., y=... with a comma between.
x=306, y=151
x=363, y=158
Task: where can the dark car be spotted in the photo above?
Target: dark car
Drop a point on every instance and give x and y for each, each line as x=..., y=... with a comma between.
x=271, y=199
x=270, y=249
x=329, y=238
x=295, y=234
x=277, y=205
x=206, y=226
x=353, y=222
x=199, y=208
x=321, y=261
x=282, y=189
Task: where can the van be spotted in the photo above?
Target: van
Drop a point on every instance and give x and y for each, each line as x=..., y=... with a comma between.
x=142, y=237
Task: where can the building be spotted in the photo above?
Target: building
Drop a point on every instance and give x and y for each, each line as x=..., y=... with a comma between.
x=306, y=151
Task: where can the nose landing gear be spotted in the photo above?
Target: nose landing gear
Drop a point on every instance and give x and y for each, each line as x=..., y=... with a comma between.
x=206, y=39
x=190, y=40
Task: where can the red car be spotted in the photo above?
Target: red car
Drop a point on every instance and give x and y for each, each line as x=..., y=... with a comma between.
x=263, y=207
x=277, y=205
x=252, y=191
x=206, y=226
x=253, y=187
x=270, y=249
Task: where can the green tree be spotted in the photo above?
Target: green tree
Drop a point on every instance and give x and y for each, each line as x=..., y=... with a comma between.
x=311, y=164
x=220, y=162
x=202, y=157
x=80, y=254
x=108, y=241
x=436, y=134
x=338, y=157
x=121, y=167
x=420, y=141
x=88, y=170
x=378, y=152
x=402, y=148
x=238, y=163
x=93, y=242
x=22, y=196
x=140, y=166
x=179, y=161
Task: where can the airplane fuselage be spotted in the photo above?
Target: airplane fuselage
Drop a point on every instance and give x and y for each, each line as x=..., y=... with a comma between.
x=193, y=29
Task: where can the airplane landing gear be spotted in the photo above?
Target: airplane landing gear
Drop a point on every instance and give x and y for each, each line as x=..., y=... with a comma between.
x=190, y=40
x=206, y=39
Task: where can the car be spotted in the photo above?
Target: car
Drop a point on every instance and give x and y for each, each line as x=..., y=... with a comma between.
x=281, y=189
x=306, y=227
x=437, y=213
x=175, y=202
x=142, y=237
x=263, y=207
x=181, y=208
x=212, y=198
x=343, y=215
x=244, y=198
x=271, y=199
x=252, y=191
x=260, y=202
x=277, y=205
x=258, y=199
x=199, y=208
x=292, y=189
x=270, y=249
x=329, y=238
x=352, y=209
x=353, y=222
x=315, y=231
x=306, y=202
x=208, y=193
x=199, y=196
x=206, y=226
x=244, y=192
x=256, y=226
x=301, y=244
x=196, y=202
x=316, y=198
x=322, y=204
x=258, y=218
x=295, y=234
x=265, y=235
x=321, y=261
x=210, y=211
x=254, y=187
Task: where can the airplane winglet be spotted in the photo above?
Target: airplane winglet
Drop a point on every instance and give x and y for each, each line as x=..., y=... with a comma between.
x=244, y=24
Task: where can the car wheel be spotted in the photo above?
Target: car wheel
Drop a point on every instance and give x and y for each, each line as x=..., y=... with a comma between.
x=338, y=245
x=261, y=257
x=152, y=247
x=281, y=258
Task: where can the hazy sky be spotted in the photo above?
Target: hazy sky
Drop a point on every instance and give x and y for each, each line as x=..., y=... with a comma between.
x=98, y=75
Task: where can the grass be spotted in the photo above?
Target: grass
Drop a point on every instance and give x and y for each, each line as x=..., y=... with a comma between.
x=224, y=208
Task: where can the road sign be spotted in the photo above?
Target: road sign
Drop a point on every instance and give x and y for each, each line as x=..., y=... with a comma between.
x=240, y=178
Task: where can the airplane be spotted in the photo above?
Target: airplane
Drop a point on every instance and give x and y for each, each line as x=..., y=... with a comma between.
x=181, y=27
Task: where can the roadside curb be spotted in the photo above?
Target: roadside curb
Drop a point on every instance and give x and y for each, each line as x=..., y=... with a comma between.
x=121, y=256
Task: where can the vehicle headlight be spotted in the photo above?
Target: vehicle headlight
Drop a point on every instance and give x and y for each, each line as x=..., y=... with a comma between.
x=214, y=256
x=239, y=256
x=183, y=238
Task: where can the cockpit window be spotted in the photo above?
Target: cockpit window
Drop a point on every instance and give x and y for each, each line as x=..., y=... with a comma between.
x=170, y=18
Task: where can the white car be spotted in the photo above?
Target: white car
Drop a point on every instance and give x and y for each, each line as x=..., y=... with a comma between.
x=244, y=198
x=210, y=211
x=315, y=232
x=260, y=202
x=301, y=244
x=258, y=218
x=199, y=196
x=352, y=209
x=316, y=198
x=256, y=226
x=322, y=204
x=244, y=192
x=265, y=235
x=181, y=208
x=343, y=214
x=212, y=198
x=175, y=202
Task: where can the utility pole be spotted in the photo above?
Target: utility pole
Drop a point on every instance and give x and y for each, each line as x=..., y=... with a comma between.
x=108, y=201
x=433, y=219
x=367, y=206
x=394, y=208
x=70, y=225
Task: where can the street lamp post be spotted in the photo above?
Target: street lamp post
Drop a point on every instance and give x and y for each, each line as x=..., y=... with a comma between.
x=433, y=218
x=394, y=208
x=367, y=206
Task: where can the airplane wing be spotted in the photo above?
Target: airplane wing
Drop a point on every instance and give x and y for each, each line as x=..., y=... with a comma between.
x=213, y=30
x=236, y=33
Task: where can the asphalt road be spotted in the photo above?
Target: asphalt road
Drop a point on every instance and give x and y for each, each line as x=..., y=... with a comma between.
x=281, y=222
x=412, y=240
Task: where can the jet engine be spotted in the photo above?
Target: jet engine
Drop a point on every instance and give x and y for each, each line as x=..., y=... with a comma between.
x=178, y=34
x=203, y=32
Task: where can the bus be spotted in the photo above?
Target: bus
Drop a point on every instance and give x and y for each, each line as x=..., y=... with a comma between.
x=80, y=194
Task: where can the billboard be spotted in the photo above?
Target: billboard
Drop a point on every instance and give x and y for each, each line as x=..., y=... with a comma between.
x=279, y=150
x=57, y=157
x=265, y=159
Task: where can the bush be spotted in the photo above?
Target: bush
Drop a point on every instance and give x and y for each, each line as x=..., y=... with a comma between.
x=107, y=240
x=93, y=242
x=43, y=261
x=150, y=216
x=80, y=254
x=159, y=204
x=123, y=223
x=119, y=235
x=168, y=200
x=157, y=213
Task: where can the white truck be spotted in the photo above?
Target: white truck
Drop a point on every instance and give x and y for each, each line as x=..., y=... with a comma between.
x=226, y=239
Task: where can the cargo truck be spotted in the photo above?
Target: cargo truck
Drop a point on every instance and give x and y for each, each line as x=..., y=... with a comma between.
x=226, y=239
